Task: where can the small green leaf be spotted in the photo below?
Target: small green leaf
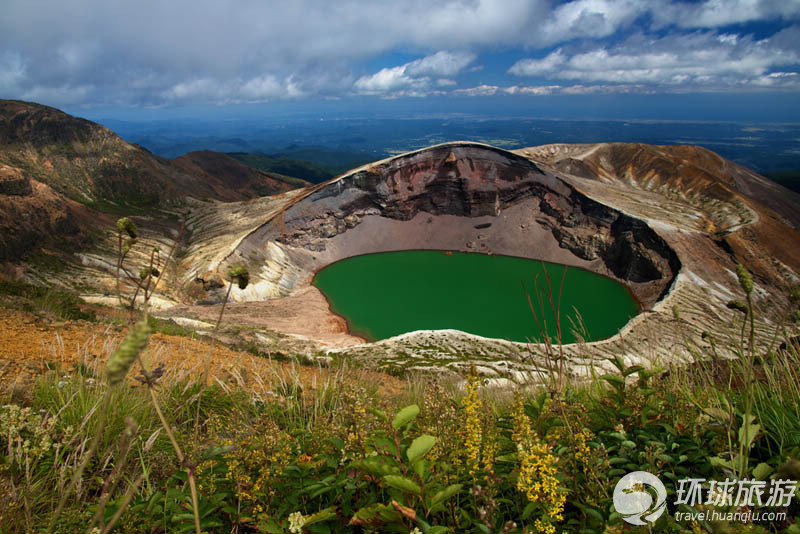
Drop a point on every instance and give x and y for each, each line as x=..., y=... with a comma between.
x=376, y=465
x=748, y=431
x=632, y=369
x=762, y=471
x=319, y=517
x=419, y=467
x=445, y=494
x=716, y=461
x=614, y=380
x=526, y=513
x=375, y=515
x=594, y=514
x=405, y=416
x=419, y=447
x=313, y=494
x=272, y=528
x=403, y=484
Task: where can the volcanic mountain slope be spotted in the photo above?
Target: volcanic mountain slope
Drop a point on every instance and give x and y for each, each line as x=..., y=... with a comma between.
x=690, y=173
x=55, y=167
x=229, y=178
x=456, y=196
x=34, y=216
x=671, y=223
x=88, y=162
x=691, y=191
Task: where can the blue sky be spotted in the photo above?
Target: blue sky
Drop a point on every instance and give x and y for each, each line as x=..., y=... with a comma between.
x=126, y=58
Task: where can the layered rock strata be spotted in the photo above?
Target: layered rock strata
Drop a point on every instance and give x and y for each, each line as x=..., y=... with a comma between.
x=459, y=196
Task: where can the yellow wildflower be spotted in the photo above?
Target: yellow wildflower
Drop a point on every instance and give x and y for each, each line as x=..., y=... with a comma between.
x=473, y=428
x=537, y=471
x=582, y=450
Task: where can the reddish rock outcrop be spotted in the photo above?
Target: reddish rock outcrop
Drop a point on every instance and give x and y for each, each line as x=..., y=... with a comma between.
x=43, y=218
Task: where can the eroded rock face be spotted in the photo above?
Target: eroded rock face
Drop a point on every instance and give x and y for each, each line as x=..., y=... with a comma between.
x=449, y=180
x=13, y=182
x=460, y=196
x=41, y=217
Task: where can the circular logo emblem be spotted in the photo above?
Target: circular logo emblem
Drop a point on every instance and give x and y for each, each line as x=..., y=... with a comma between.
x=640, y=497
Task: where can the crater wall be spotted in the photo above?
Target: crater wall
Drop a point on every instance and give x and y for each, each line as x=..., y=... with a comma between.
x=458, y=196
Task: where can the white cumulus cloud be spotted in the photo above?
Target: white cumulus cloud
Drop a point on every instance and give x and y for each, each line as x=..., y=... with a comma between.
x=587, y=18
x=717, y=13
x=699, y=59
x=480, y=90
x=155, y=52
x=415, y=75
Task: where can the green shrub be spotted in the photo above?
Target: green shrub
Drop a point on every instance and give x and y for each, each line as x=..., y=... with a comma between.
x=54, y=302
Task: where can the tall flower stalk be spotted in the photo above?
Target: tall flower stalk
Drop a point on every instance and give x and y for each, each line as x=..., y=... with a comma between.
x=748, y=429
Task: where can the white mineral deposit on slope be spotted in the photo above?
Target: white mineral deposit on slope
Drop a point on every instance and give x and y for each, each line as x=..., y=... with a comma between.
x=286, y=238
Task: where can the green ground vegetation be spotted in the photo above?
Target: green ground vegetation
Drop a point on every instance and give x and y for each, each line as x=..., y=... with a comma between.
x=125, y=447
x=57, y=303
x=304, y=170
x=343, y=457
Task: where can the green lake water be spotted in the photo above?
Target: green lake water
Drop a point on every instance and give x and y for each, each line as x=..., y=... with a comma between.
x=383, y=295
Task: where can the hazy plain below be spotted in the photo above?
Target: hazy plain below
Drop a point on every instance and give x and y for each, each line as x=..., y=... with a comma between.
x=337, y=143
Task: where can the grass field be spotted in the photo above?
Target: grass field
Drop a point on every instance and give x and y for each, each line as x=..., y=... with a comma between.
x=122, y=445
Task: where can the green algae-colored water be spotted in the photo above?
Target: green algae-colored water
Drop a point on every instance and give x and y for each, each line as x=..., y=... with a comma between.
x=383, y=295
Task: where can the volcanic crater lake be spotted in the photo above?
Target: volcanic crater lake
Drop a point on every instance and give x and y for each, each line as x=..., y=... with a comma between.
x=390, y=293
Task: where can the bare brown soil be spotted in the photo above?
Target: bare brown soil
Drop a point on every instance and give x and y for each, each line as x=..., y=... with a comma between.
x=305, y=314
x=30, y=347
x=43, y=217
